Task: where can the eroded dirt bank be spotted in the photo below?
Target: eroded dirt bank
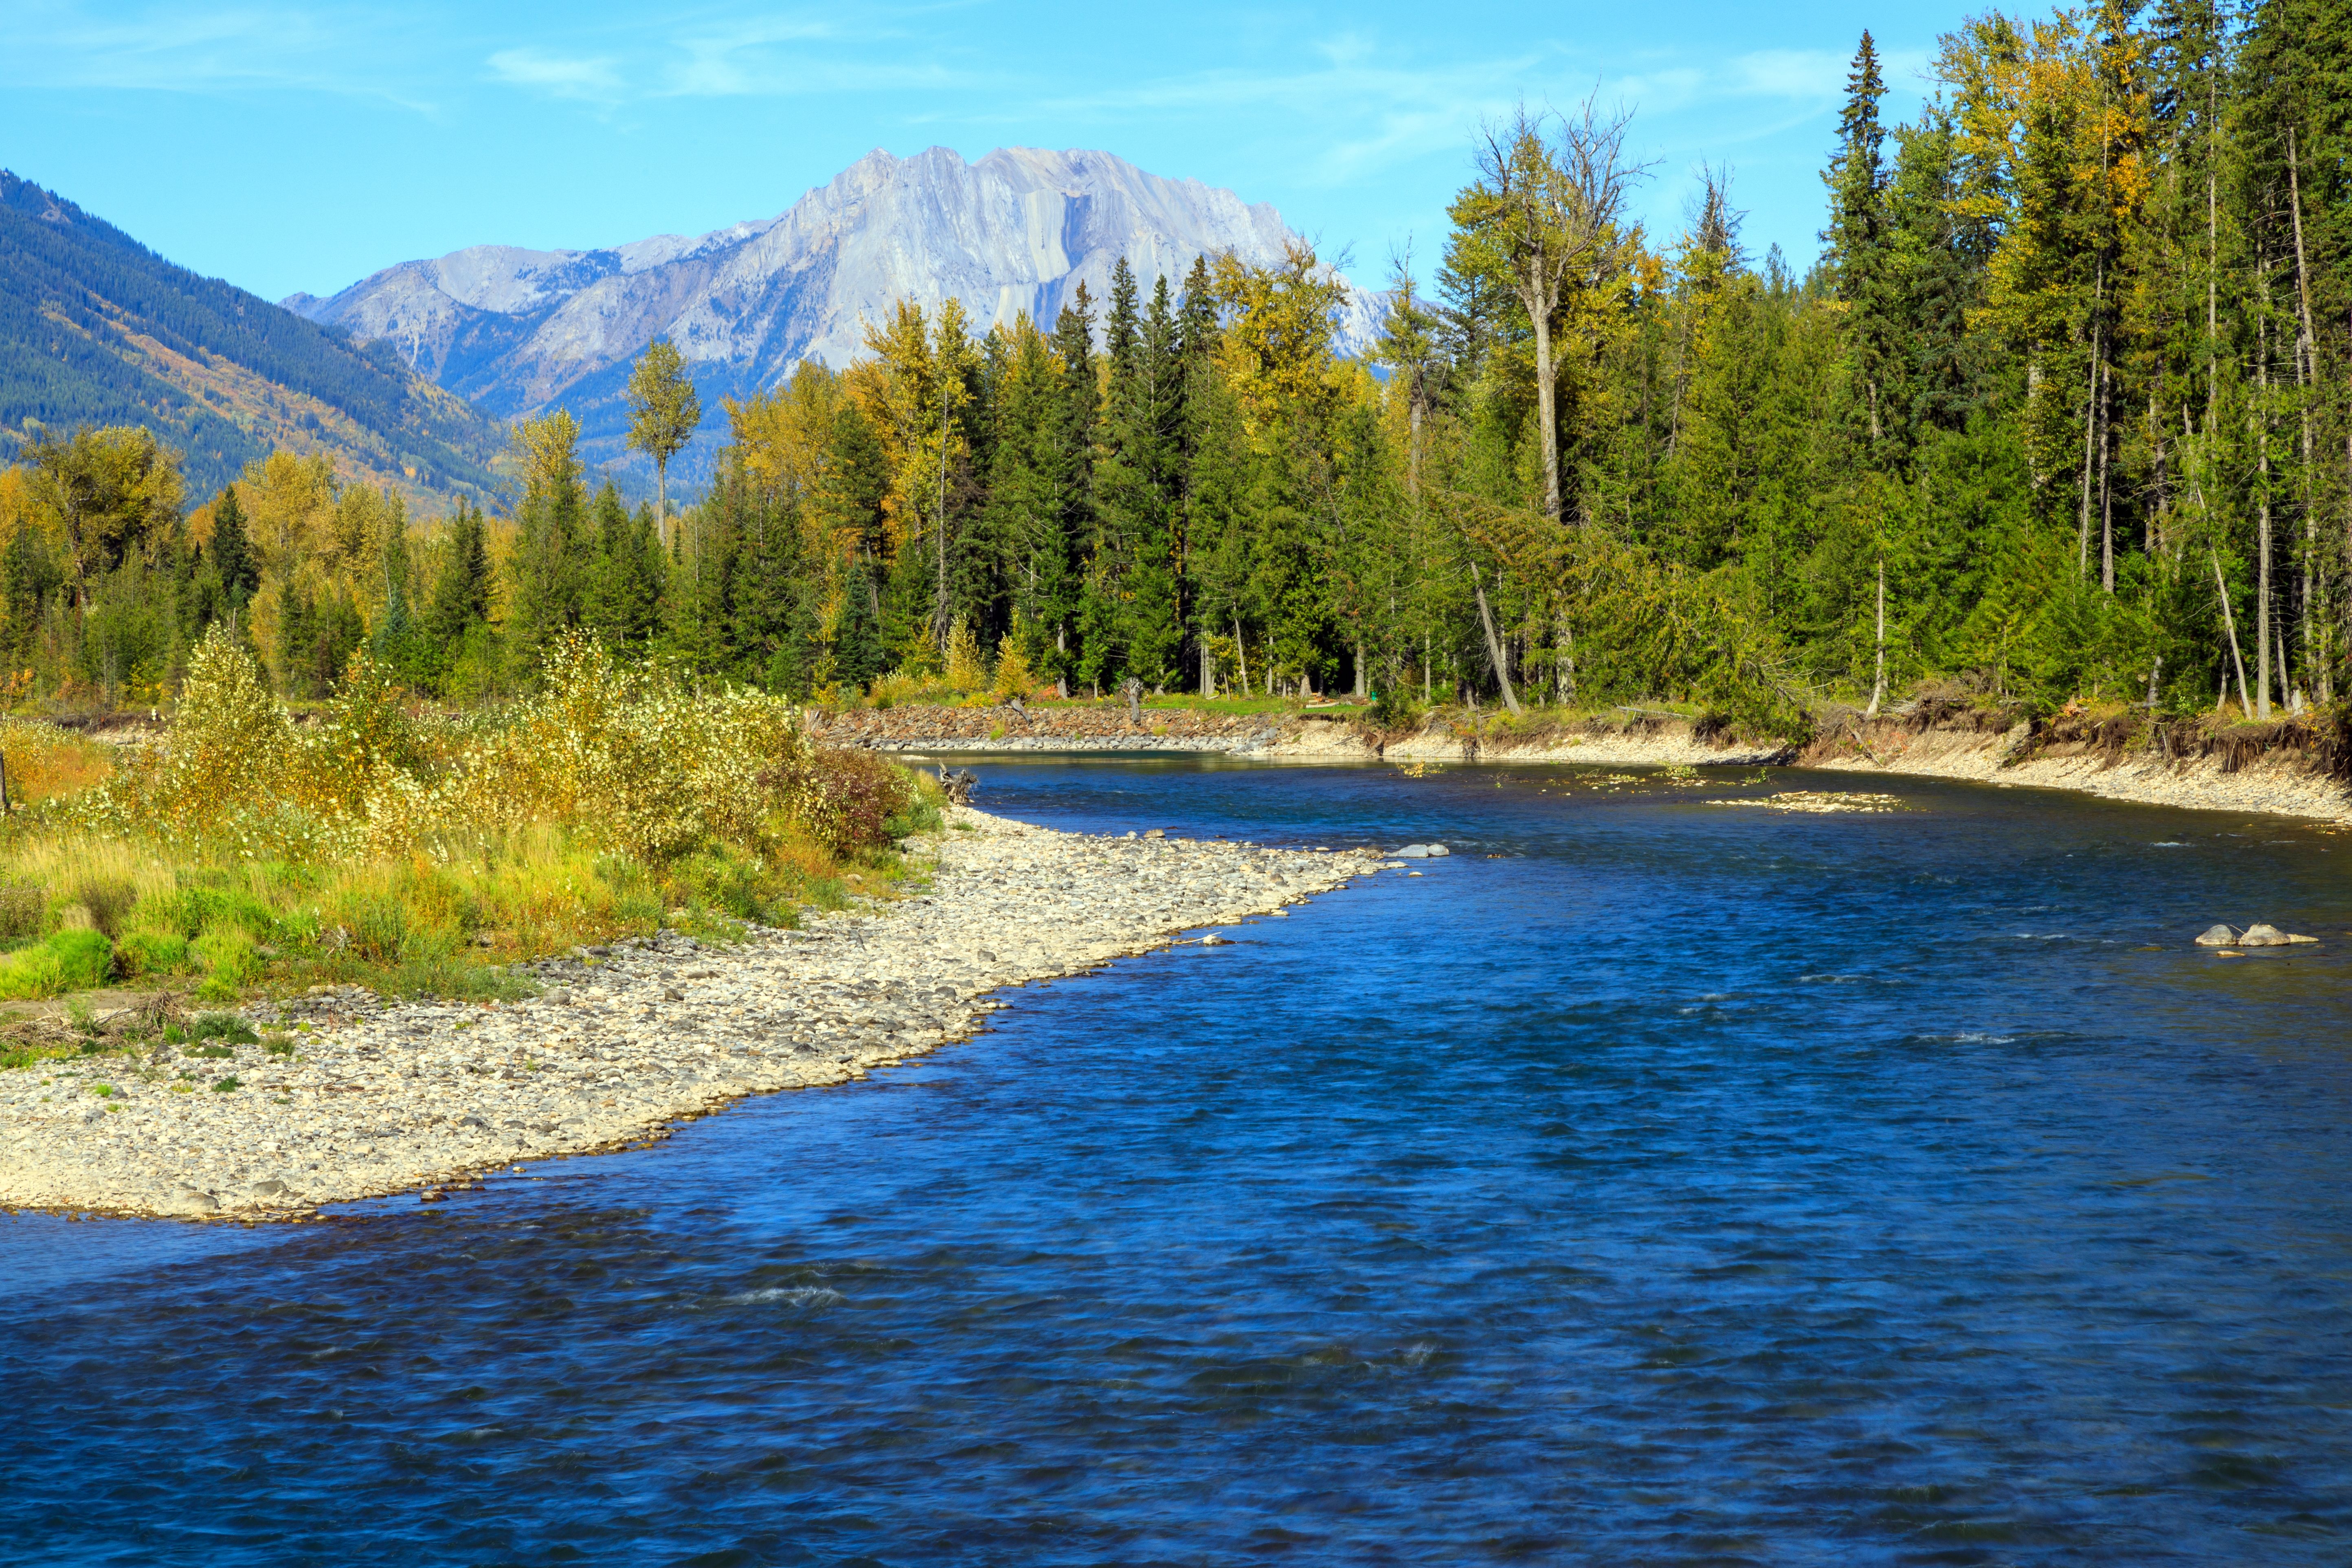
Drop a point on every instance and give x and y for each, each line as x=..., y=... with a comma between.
x=2288, y=768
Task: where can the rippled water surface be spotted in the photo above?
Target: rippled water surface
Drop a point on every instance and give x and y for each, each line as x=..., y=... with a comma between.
x=1651, y=1182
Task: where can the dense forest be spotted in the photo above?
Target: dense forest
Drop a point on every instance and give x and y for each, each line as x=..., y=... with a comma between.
x=2060, y=412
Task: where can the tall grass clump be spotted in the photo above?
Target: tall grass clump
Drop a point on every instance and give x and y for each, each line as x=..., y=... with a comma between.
x=420, y=852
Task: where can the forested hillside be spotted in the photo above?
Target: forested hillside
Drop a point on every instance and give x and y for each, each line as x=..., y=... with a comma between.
x=96, y=329
x=2061, y=414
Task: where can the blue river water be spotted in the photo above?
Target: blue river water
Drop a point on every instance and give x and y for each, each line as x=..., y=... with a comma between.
x=1651, y=1181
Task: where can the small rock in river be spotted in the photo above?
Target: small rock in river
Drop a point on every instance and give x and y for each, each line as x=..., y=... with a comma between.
x=2262, y=934
x=1410, y=852
x=1438, y=849
x=2217, y=936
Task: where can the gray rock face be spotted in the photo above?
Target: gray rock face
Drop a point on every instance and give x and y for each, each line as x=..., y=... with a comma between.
x=518, y=330
x=2216, y=936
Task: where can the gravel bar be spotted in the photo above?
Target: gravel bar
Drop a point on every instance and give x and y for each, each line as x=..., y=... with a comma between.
x=379, y=1099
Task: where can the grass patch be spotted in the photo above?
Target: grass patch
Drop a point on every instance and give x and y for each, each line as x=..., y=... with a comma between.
x=67, y=961
x=426, y=853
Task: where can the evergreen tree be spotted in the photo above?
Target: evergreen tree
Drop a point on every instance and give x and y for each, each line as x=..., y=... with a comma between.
x=625, y=584
x=1856, y=237
x=232, y=551
x=548, y=575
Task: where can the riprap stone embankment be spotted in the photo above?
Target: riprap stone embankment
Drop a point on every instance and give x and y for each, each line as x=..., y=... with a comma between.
x=382, y=1099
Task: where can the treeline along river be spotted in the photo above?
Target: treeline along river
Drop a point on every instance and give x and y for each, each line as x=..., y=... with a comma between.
x=1650, y=1180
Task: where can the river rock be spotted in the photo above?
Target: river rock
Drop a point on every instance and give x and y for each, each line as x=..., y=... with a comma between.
x=1437, y=851
x=1410, y=852
x=2262, y=934
x=2217, y=936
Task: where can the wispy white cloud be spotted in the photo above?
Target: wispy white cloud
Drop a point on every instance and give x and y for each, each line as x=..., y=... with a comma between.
x=184, y=49
x=593, y=80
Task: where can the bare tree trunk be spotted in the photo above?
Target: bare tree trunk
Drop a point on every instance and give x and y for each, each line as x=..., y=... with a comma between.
x=1363, y=686
x=2106, y=492
x=1878, y=687
x=2306, y=372
x=2091, y=419
x=2230, y=624
x=2263, y=526
x=2287, y=687
x=939, y=605
x=2212, y=257
x=1545, y=413
x=1412, y=454
x=1494, y=643
x=661, y=502
x=1241, y=654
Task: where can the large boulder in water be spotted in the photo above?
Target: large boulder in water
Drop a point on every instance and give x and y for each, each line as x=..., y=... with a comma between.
x=2217, y=936
x=2260, y=934
x=1409, y=852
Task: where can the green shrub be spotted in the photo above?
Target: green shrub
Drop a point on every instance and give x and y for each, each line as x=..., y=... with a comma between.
x=228, y=955
x=223, y=1026
x=192, y=910
x=67, y=961
x=377, y=923
x=1395, y=710
x=146, y=952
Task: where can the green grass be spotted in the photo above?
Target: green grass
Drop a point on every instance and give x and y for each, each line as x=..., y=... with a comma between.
x=67, y=961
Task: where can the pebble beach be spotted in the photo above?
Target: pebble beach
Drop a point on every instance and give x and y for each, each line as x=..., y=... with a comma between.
x=344, y=1097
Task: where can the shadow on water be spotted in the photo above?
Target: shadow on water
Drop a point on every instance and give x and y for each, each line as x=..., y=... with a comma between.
x=1652, y=1180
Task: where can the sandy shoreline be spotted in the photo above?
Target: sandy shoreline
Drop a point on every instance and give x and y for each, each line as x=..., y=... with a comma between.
x=379, y=1099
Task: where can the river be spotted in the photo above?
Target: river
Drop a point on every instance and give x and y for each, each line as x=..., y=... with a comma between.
x=1650, y=1180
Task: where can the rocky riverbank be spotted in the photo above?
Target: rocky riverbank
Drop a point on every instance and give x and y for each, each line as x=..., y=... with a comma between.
x=341, y=1097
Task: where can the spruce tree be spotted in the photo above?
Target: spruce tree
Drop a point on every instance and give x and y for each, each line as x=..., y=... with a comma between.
x=232, y=550
x=1856, y=237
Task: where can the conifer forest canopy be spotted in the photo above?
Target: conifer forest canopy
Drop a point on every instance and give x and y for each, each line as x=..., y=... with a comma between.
x=2061, y=411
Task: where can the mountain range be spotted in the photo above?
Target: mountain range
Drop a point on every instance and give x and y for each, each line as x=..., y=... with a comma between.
x=96, y=329
x=516, y=332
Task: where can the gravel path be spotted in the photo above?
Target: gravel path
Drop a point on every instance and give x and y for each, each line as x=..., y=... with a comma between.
x=377, y=1099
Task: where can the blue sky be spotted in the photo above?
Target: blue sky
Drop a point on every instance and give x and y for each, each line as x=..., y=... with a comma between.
x=290, y=147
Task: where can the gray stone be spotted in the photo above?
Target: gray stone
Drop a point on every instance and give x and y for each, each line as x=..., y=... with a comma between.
x=2260, y=934
x=2217, y=936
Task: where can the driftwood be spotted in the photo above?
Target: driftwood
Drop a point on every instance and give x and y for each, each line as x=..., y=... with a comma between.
x=959, y=784
x=145, y=1017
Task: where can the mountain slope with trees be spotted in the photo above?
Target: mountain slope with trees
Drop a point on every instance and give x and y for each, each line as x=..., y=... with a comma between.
x=96, y=330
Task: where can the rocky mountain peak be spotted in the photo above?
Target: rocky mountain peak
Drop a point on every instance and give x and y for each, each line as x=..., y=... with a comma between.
x=517, y=330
